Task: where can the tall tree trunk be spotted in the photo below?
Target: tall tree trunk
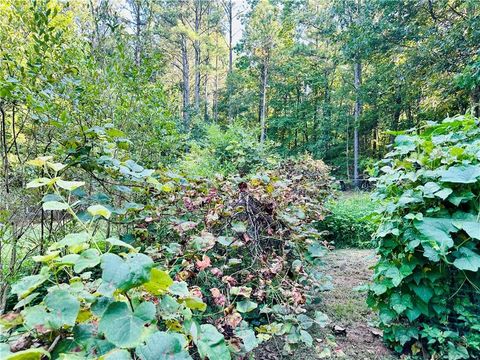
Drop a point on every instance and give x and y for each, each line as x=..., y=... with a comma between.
x=185, y=84
x=138, y=31
x=230, y=36
x=215, y=93
x=230, y=54
x=196, y=46
x=357, y=113
x=4, y=149
x=263, y=105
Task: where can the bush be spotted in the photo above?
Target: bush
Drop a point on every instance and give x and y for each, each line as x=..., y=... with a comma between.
x=348, y=222
x=427, y=281
x=226, y=150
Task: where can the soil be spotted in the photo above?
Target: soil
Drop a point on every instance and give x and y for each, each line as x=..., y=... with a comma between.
x=351, y=333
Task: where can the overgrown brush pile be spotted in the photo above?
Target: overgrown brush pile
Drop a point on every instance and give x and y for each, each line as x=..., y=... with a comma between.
x=427, y=282
x=193, y=268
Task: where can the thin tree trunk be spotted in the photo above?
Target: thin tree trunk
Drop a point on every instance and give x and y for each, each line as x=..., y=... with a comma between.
x=263, y=106
x=5, y=150
x=215, y=93
x=196, y=46
x=357, y=113
x=230, y=55
x=185, y=84
x=138, y=31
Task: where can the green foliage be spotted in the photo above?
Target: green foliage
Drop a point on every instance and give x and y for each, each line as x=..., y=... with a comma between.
x=427, y=281
x=348, y=222
x=115, y=300
x=226, y=150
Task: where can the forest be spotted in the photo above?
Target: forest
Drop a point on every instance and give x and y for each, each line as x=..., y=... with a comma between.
x=239, y=179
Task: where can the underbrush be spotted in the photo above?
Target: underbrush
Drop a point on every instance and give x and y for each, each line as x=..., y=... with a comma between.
x=168, y=265
x=348, y=221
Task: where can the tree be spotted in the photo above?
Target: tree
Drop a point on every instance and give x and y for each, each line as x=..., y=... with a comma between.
x=261, y=38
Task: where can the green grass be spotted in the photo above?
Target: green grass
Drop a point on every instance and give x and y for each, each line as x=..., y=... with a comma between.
x=348, y=222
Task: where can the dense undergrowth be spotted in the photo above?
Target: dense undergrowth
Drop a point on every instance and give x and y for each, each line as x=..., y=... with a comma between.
x=164, y=265
x=348, y=222
x=427, y=282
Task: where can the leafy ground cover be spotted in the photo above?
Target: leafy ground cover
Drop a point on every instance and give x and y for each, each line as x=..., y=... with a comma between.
x=227, y=265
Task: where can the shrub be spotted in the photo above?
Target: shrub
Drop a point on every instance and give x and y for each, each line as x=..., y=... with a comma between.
x=427, y=281
x=348, y=222
x=231, y=150
x=214, y=268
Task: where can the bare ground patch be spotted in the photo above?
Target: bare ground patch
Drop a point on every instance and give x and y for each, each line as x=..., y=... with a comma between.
x=352, y=333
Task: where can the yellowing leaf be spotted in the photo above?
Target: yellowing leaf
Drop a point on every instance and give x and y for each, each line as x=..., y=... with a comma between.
x=46, y=257
x=99, y=210
x=83, y=316
x=55, y=166
x=70, y=185
x=55, y=205
x=38, y=182
x=159, y=282
x=39, y=161
x=195, y=303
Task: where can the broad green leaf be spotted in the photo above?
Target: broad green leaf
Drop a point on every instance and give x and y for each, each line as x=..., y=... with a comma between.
x=30, y=354
x=210, y=343
x=321, y=319
x=159, y=282
x=69, y=185
x=164, y=346
x=424, y=292
x=56, y=166
x=73, y=241
x=463, y=174
x=25, y=301
x=394, y=274
x=249, y=339
x=306, y=338
x=23, y=287
x=179, y=288
x=63, y=307
x=38, y=182
x=55, y=205
x=245, y=306
x=316, y=250
x=117, y=242
x=100, y=305
x=472, y=228
x=145, y=311
x=35, y=316
x=467, y=260
x=99, y=210
x=88, y=258
x=437, y=230
x=120, y=274
x=457, y=352
x=120, y=326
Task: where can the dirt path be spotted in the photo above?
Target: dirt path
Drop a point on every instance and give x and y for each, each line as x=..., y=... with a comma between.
x=352, y=334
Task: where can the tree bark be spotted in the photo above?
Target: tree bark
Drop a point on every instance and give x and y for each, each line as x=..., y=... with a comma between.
x=185, y=84
x=263, y=106
x=196, y=46
x=357, y=113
